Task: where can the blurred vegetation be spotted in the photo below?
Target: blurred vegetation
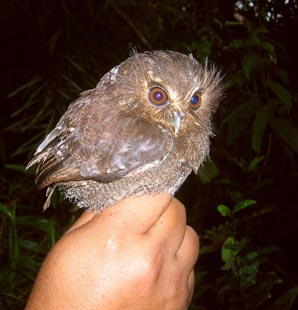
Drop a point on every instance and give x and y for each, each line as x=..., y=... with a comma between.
x=243, y=203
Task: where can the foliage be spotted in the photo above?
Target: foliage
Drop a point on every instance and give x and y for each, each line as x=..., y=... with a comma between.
x=241, y=202
x=246, y=277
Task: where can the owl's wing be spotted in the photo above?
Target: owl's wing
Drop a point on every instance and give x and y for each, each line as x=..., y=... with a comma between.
x=101, y=146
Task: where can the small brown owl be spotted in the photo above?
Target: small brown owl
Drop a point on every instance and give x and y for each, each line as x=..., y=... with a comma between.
x=143, y=129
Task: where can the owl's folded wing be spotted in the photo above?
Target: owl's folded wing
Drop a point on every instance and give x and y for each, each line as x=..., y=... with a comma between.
x=103, y=153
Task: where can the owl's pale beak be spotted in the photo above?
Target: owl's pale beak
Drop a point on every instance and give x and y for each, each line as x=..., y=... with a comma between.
x=177, y=120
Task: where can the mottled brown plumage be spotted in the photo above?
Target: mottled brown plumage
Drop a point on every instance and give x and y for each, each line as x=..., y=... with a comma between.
x=143, y=129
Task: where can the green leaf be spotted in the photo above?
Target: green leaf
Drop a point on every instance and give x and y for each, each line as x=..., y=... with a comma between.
x=228, y=252
x=238, y=120
x=286, y=131
x=5, y=210
x=81, y=69
x=254, y=41
x=38, y=223
x=228, y=23
x=255, y=162
x=248, y=267
x=258, y=127
x=34, y=94
x=282, y=75
x=241, y=110
x=235, y=130
x=243, y=204
x=16, y=167
x=237, y=43
x=249, y=63
x=73, y=84
x=21, y=88
x=260, y=30
x=224, y=210
x=281, y=92
x=270, y=48
x=235, y=195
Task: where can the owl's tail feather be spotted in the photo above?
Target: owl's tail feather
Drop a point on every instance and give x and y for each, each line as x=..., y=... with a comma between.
x=37, y=158
x=52, y=175
x=50, y=191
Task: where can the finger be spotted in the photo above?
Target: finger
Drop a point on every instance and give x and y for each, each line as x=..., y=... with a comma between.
x=169, y=230
x=135, y=214
x=188, y=251
x=191, y=285
x=86, y=217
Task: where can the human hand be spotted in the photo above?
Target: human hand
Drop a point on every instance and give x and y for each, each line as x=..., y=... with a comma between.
x=139, y=254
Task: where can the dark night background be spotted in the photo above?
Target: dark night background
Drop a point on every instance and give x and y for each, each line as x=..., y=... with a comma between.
x=53, y=50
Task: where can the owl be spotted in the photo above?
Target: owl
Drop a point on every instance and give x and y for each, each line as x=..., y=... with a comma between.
x=143, y=129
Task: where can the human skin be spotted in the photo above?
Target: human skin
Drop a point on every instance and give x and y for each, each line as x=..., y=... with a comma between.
x=139, y=254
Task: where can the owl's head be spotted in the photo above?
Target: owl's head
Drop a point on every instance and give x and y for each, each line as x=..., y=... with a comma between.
x=166, y=87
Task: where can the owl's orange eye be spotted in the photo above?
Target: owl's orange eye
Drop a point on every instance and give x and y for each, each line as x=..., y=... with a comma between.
x=158, y=96
x=196, y=100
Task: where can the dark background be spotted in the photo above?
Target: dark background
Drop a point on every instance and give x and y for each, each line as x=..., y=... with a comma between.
x=53, y=50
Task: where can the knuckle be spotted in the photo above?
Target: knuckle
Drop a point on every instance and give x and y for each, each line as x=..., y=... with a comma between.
x=148, y=268
x=193, y=236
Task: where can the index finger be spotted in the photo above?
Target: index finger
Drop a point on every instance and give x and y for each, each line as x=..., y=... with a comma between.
x=135, y=214
x=170, y=229
x=138, y=213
